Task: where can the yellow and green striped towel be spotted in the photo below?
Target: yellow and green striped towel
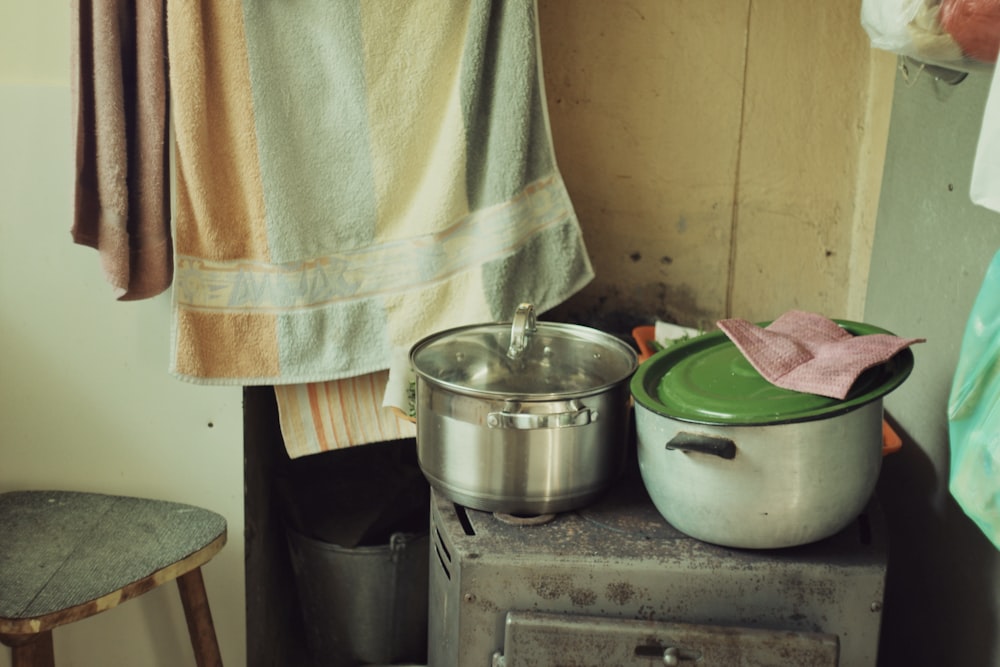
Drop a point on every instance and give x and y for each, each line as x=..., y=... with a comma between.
x=354, y=175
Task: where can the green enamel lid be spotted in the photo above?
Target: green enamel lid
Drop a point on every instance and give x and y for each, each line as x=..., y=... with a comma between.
x=708, y=380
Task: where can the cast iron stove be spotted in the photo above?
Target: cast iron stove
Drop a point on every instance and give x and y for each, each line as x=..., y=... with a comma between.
x=615, y=584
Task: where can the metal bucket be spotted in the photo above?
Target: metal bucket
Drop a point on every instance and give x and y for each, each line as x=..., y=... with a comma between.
x=364, y=605
x=357, y=525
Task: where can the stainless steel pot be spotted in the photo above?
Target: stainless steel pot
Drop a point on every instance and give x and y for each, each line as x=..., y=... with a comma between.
x=523, y=418
x=730, y=459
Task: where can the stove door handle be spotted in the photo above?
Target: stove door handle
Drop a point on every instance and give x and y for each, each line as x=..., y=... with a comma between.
x=672, y=656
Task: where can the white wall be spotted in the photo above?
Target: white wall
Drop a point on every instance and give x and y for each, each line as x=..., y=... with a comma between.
x=85, y=398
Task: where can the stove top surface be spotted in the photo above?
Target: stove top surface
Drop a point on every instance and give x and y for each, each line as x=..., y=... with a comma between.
x=624, y=524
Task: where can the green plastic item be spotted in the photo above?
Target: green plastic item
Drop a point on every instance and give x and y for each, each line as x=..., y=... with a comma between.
x=707, y=380
x=974, y=411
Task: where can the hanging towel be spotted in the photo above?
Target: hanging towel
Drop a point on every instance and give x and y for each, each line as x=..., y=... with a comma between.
x=321, y=416
x=809, y=353
x=119, y=92
x=353, y=176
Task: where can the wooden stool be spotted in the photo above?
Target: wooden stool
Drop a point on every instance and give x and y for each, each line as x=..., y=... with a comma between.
x=65, y=556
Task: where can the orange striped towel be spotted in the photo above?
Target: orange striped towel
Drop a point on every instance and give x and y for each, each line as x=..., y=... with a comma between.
x=320, y=416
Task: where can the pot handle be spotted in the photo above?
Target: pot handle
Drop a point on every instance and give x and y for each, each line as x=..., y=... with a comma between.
x=724, y=448
x=581, y=415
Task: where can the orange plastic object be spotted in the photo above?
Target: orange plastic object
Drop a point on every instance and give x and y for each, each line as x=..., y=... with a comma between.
x=645, y=334
x=891, y=442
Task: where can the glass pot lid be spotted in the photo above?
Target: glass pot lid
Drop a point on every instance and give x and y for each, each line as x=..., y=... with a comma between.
x=524, y=359
x=707, y=380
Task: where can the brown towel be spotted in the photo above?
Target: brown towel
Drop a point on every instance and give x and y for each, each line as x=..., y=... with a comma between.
x=809, y=353
x=119, y=87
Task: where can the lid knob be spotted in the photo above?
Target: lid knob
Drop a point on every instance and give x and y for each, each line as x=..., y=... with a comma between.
x=521, y=328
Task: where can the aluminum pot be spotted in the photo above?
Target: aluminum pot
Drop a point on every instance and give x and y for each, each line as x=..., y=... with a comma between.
x=524, y=417
x=730, y=459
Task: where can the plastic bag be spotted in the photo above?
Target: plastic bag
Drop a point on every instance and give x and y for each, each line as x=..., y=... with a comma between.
x=956, y=34
x=974, y=412
x=887, y=23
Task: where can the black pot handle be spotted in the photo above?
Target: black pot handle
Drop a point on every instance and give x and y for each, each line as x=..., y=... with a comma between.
x=724, y=448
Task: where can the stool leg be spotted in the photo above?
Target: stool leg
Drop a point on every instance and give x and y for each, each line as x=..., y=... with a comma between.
x=31, y=650
x=199, y=619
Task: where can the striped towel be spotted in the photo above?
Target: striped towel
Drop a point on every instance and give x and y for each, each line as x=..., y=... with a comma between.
x=321, y=416
x=353, y=176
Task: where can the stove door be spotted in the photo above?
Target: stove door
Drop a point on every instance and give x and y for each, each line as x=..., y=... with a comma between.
x=534, y=639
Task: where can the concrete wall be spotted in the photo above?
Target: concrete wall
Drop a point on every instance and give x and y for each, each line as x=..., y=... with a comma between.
x=932, y=248
x=723, y=156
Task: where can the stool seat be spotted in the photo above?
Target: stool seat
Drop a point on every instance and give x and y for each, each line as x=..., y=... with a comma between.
x=66, y=555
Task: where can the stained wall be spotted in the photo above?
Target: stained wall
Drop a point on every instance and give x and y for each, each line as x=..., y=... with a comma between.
x=723, y=157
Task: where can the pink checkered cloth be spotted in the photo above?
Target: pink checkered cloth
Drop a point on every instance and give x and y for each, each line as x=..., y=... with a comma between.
x=809, y=353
